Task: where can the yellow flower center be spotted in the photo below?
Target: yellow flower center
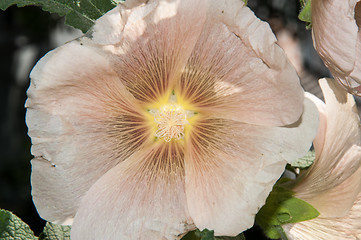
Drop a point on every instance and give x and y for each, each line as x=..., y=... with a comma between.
x=171, y=119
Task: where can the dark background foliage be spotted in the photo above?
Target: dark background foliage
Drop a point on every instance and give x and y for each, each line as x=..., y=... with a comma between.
x=26, y=34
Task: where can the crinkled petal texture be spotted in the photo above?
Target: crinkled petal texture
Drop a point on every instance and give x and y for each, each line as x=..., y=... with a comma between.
x=332, y=184
x=238, y=71
x=98, y=164
x=338, y=155
x=337, y=39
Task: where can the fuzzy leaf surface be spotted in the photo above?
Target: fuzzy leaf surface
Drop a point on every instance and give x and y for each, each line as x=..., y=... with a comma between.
x=55, y=232
x=12, y=227
x=305, y=161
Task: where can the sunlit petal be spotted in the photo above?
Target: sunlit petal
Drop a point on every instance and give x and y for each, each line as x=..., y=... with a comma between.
x=231, y=168
x=82, y=122
x=338, y=157
x=234, y=73
x=332, y=184
x=319, y=140
x=141, y=198
x=148, y=57
x=337, y=39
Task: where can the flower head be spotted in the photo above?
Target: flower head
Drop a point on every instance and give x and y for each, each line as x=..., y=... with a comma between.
x=337, y=39
x=167, y=116
x=332, y=184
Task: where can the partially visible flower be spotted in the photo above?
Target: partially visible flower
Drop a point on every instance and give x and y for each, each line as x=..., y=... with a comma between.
x=167, y=116
x=333, y=183
x=337, y=39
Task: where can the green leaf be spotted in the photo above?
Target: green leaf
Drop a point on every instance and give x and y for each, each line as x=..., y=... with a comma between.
x=282, y=207
x=12, y=227
x=306, y=161
x=281, y=233
x=305, y=14
x=206, y=235
x=80, y=14
x=55, y=232
x=238, y=237
x=190, y=236
x=209, y=235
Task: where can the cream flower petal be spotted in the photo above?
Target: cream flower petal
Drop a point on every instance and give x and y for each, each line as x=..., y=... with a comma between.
x=339, y=157
x=342, y=116
x=109, y=28
x=237, y=70
x=154, y=44
x=141, y=198
x=231, y=168
x=337, y=201
x=345, y=228
x=82, y=122
x=319, y=140
x=337, y=38
x=355, y=75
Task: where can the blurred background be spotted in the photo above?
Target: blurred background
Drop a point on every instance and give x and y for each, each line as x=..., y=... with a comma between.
x=27, y=34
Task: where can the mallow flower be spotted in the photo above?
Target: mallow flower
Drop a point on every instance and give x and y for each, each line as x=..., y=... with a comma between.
x=168, y=115
x=337, y=39
x=333, y=183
